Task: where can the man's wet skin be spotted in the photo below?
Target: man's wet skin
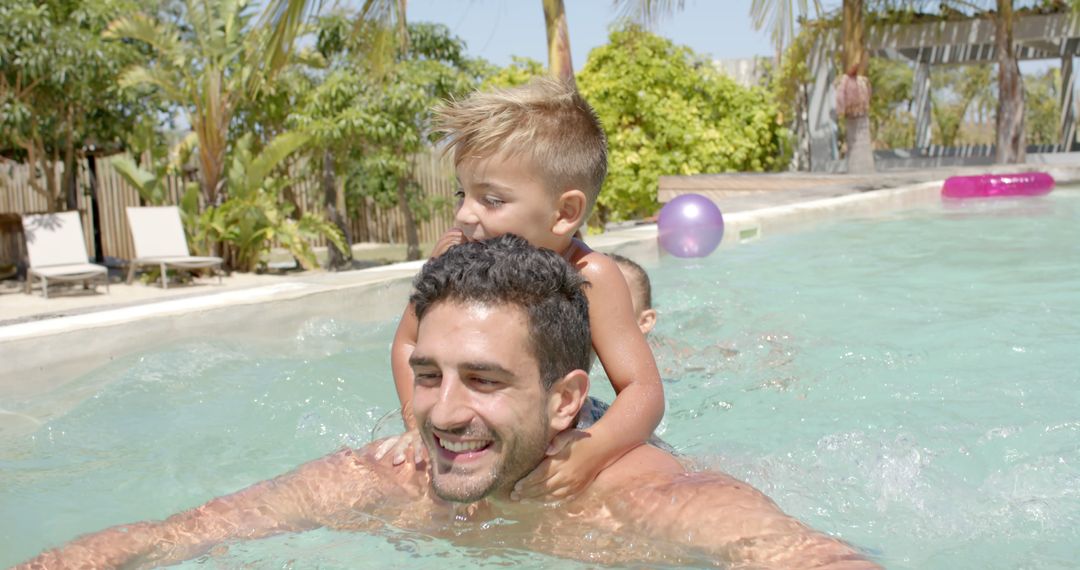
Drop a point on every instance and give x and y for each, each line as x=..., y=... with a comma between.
x=487, y=416
x=585, y=528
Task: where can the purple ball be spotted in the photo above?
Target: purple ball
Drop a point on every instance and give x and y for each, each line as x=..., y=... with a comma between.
x=690, y=226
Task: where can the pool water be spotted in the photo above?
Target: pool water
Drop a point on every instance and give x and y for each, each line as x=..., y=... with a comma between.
x=908, y=383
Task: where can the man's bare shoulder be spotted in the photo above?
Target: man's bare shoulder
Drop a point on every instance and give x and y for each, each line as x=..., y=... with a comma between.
x=644, y=461
x=650, y=491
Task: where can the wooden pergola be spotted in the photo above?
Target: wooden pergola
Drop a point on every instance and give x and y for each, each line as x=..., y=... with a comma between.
x=925, y=45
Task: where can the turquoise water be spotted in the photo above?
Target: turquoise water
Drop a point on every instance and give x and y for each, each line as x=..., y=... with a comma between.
x=907, y=383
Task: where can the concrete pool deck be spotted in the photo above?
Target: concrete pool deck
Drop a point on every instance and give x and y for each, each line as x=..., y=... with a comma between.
x=42, y=352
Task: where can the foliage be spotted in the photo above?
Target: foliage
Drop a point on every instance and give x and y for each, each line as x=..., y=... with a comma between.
x=891, y=118
x=376, y=120
x=151, y=185
x=955, y=91
x=254, y=217
x=779, y=17
x=58, y=90
x=519, y=72
x=667, y=111
x=787, y=85
x=211, y=64
x=1041, y=94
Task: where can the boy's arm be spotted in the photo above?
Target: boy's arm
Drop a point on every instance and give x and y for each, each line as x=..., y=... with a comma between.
x=300, y=500
x=405, y=338
x=628, y=361
x=400, y=351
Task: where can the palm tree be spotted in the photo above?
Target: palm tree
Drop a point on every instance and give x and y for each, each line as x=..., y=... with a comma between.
x=780, y=18
x=853, y=86
x=1011, y=146
x=558, y=39
x=644, y=12
x=853, y=90
x=285, y=18
x=208, y=73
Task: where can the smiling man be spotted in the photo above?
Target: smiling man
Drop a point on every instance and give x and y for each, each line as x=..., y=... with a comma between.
x=499, y=364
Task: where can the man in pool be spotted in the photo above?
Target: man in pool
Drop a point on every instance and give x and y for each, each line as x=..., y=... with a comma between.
x=499, y=371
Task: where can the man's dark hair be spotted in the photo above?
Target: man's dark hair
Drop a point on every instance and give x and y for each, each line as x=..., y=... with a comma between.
x=642, y=277
x=507, y=270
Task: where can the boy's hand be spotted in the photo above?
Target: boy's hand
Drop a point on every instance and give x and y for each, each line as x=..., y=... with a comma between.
x=452, y=237
x=401, y=447
x=571, y=464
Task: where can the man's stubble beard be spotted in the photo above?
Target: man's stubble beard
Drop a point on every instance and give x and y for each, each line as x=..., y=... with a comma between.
x=517, y=460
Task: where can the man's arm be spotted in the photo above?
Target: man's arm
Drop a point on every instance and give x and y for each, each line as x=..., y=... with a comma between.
x=303, y=499
x=729, y=520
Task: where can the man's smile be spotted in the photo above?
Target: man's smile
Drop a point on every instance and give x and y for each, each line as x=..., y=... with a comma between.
x=461, y=450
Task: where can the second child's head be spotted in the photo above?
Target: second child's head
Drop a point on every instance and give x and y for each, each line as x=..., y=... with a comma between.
x=640, y=291
x=530, y=160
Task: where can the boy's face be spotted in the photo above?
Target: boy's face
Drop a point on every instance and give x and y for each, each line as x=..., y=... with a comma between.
x=501, y=195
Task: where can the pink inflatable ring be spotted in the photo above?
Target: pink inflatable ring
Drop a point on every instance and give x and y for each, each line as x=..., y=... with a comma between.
x=991, y=185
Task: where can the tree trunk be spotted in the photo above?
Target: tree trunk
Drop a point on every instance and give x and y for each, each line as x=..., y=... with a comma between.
x=860, y=158
x=69, y=185
x=32, y=156
x=860, y=152
x=210, y=121
x=335, y=258
x=412, y=238
x=558, y=40
x=48, y=169
x=1010, y=147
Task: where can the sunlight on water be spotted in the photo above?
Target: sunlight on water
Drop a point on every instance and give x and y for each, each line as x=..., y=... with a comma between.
x=906, y=383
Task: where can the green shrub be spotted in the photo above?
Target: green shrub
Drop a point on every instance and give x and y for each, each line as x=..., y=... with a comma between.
x=254, y=217
x=667, y=111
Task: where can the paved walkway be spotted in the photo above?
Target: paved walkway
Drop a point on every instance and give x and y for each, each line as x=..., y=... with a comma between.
x=740, y=192
x=65, y=300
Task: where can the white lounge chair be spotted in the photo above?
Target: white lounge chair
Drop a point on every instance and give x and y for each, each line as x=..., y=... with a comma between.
x=57, y=251
x=159, y=240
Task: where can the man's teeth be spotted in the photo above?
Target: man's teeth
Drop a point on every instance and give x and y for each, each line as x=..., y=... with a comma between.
x=462, y=446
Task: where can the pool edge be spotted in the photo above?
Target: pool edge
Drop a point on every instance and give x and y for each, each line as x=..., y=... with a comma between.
x=39, y=355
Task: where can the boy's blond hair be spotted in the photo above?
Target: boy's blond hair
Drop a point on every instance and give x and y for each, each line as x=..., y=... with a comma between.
x=546, y=119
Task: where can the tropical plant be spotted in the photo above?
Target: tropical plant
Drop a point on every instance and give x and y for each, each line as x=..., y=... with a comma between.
x=955, y=92
x=558, y=40
x=667, y=111
x=208, y=67
x=1041, y=94
x=852, y=86
x=58, y=92
x=254, y=217
x=891, y=119
x=1010, y=133
x=779, y=17
x=519, y=72
x=372, y=125
x=152, y=185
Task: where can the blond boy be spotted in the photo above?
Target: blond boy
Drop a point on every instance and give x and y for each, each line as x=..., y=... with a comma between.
x=530, y=161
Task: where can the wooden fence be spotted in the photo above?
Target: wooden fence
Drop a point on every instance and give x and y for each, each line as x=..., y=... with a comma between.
x=369, y=223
